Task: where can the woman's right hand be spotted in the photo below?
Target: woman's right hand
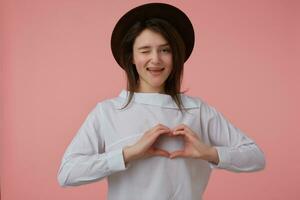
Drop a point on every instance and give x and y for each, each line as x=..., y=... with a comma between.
x=144, y=147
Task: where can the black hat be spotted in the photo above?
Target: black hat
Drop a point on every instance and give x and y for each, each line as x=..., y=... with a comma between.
x=173, y=15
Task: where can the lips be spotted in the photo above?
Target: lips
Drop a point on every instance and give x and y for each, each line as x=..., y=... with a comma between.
x=155, y=71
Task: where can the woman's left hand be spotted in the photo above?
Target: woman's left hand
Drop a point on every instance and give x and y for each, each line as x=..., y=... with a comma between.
x=193, y=146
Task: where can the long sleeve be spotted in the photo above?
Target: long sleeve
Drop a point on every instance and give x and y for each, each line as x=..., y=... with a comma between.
x=237, y=152
x=84, y=160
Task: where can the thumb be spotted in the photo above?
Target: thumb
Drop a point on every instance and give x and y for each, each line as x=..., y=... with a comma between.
x=159, y=152
x=177, y=154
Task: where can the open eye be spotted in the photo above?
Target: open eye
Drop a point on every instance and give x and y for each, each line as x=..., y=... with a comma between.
x=166, y=50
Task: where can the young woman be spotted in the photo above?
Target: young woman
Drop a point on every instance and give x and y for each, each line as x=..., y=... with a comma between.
x=152, y=141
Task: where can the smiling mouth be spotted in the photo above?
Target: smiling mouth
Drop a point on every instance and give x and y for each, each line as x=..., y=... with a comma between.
x=154, y=69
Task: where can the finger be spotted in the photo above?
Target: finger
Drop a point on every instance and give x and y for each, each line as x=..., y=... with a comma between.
x=185, y=133
x=160, y=152
x=177, y=154
x=161, y=132
x=180, y=127
x=156, y=129
x=179, y=133
x=153, y=136
x=171, y=134
x=161, y=126
x=183, y=127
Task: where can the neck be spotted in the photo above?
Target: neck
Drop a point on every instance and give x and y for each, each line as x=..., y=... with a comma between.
x=144, y=89
x=150, y=90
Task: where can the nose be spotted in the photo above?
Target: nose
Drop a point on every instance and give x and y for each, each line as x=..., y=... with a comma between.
x=155, y=57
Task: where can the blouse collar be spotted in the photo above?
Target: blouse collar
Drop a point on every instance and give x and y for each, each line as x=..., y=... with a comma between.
x=159, y=99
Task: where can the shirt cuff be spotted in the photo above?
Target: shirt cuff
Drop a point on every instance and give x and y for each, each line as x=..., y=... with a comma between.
x=224, y=158
x=115, y=160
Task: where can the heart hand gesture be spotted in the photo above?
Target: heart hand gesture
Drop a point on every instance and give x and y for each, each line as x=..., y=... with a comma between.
x=193, y=146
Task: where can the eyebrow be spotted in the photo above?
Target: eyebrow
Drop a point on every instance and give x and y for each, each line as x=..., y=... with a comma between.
x=148, y=47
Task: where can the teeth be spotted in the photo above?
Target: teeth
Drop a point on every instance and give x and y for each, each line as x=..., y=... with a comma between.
x=155, y=69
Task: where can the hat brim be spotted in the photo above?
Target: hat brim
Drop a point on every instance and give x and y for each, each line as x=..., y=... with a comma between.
x=173, y=15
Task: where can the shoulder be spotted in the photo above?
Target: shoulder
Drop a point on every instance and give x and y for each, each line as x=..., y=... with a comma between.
x=191, y=101
x=197, y=102
x=108, y=103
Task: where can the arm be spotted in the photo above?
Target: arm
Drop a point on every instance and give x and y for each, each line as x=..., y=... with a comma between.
x=85, y=160
x=236, y=151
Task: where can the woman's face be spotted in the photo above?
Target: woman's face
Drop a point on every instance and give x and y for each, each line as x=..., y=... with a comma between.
x=152, y=57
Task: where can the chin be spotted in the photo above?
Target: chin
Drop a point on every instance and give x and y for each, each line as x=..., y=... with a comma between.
x=156, y=85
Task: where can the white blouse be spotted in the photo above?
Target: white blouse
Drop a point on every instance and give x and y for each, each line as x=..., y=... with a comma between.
x=96, y=150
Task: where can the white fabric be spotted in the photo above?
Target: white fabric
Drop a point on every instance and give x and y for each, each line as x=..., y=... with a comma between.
x=96, y=150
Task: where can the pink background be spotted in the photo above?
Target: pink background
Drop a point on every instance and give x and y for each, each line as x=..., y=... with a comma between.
x=56, y=64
